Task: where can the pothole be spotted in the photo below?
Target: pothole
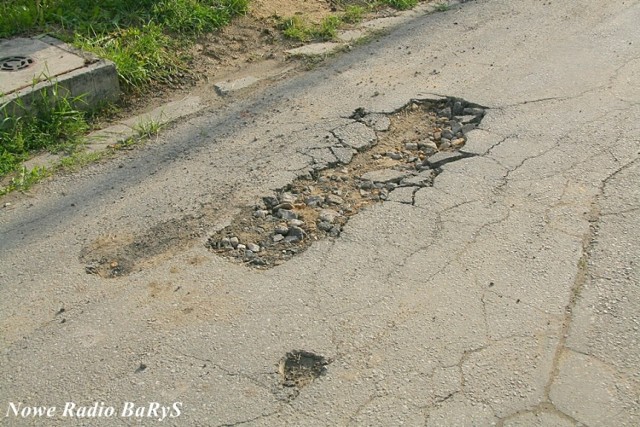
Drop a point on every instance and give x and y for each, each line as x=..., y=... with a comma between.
x=300, y=368
x=362, y=163
x=406, y=151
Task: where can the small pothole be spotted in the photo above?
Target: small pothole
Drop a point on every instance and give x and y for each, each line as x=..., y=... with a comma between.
x=300, y=368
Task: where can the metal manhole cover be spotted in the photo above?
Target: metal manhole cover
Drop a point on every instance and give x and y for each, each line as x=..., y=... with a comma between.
x=15, y=63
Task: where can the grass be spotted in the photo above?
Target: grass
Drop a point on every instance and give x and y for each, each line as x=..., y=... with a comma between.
x=296, y=28
x=54, y=124
x=141, y=37
x=442, y=7
x=401, y=4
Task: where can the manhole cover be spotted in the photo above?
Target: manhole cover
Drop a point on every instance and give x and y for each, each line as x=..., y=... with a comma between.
x=15, y=63
x=299, y=368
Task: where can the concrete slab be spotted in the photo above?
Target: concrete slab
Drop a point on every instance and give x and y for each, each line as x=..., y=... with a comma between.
x=226, y=87
x=30, y=67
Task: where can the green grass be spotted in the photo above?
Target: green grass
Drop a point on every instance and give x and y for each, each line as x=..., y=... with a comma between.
x=141, y=37
x=401, y=4
x=54, y=124
x=442, y=7
x=297, y=29
x=149, y=128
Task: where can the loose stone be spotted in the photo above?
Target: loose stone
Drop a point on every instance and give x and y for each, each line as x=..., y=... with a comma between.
x=314, y=201
x=234, y=242
x=260, y=213
x=332, y=199
x=253, y=247
x=287, y=214
x=325, y=226
x=281, y=229
x=328, y=215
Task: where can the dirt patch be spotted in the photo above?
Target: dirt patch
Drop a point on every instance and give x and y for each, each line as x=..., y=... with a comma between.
x=118, y=255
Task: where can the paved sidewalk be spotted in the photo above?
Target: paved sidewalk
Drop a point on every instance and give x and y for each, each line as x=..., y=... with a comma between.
x=507, y=294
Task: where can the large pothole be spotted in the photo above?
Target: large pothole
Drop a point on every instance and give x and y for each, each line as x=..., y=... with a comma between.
x=407, y=151
x=363, y=163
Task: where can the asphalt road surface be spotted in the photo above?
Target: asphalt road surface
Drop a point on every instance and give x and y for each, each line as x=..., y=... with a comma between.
x=508, y=293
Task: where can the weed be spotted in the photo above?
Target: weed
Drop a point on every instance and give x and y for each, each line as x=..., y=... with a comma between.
x=53, y=123
x=148, y=128
x=442, y=7
x=401, y=4
x=24, y=179
x=76, y=161
x=353, y=14
x=297, y=29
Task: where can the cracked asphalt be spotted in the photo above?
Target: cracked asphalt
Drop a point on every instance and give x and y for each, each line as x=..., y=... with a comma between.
x=506, y=294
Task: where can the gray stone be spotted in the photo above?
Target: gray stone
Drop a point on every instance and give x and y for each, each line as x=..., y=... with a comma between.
x=385, y=175
x=356, y=135
x=287, y=197
x=225, y=242
x=343, y=154
x=260, y=213
x=287, y=214
x=253, y=247
x=447, y=134
x=473, y=111
x=296, y=232
x=328, y=215
x=334, y=232
x=394, y=155
x=241, y=247
x=234, y=242
x=277, y=238
x=366, y=185
x=296, y=222
x=445, y=143
x=314, y=201
x=455, y=126
x=249, y=254
x=270, y=201
x=281, y=229
x=446, y=112
x=325, y=226
x=333, y=199
x=412, y=146
x=457, y=108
